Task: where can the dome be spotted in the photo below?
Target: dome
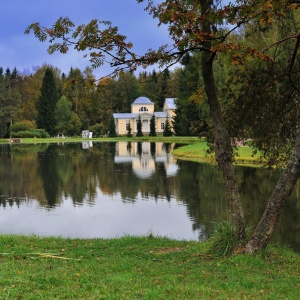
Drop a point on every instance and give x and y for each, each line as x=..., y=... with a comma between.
x=142, y=100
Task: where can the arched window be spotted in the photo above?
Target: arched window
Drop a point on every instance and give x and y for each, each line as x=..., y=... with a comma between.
x=143, y=108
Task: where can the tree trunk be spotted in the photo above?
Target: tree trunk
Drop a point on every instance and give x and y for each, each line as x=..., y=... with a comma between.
x=278, y=199
x=222, y=143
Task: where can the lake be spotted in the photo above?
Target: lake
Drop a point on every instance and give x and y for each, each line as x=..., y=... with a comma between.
x=107, y=190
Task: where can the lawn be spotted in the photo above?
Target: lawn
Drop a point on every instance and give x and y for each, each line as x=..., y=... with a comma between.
x=199, y=152
x=141, y=268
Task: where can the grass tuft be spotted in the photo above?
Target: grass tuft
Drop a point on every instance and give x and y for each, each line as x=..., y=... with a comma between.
x=223, y=240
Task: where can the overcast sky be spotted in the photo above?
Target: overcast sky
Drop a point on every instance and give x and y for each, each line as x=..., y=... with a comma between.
x=25, y=52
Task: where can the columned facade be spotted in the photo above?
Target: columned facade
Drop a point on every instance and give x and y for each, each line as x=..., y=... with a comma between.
x=143, y=108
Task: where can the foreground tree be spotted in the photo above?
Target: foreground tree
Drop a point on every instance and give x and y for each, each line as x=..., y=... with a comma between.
x=196, y=26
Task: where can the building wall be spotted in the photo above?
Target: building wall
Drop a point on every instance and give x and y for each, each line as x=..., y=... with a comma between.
x=135, y=108
x=158, y=124
x=121, y=126
x=145, y=115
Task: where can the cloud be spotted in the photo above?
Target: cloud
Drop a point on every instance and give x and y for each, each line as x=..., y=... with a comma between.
x=24, y=51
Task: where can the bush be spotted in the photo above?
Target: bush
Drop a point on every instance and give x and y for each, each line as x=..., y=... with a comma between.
x=33, y=133
x=22, y=126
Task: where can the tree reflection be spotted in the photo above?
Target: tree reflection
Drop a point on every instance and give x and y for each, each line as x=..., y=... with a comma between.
x=51, y=173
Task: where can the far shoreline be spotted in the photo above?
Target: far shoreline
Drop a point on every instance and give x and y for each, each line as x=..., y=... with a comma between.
x=194, y=149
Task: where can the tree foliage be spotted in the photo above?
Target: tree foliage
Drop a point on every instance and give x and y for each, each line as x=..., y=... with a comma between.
x=62, y=115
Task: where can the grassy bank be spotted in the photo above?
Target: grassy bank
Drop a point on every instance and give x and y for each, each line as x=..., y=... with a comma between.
x=140, y=268
x=198, y=152
x=171, y=139
x=195, y=151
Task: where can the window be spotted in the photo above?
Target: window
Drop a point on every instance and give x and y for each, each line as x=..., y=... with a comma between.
x=127, y=126
x=143, y=108
x=162, y=125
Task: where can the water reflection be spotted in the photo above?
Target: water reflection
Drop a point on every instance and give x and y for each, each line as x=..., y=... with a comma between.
x=144, y=158
x=87, y=144
x=111, y=189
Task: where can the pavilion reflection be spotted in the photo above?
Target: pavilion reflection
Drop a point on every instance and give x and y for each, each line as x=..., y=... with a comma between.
x=145, y=156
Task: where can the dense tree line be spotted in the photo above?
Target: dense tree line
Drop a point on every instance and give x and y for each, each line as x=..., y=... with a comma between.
x=49, y=102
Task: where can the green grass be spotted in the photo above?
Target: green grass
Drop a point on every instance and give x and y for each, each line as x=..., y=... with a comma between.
x=198, y=152
x=140, y=268
x=159, y=138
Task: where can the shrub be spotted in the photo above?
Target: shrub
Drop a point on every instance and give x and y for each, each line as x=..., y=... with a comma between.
x=97, y=130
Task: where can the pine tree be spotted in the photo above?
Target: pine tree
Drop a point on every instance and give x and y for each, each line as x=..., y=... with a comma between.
x=112, y=127
x=167, y=130
x=47, y=103
x=152, y=126
x=139, y=127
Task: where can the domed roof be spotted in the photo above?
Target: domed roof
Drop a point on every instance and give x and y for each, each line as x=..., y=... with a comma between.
x=142, y=100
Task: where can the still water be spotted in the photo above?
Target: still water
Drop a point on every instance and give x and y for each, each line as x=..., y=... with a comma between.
x=113, y=189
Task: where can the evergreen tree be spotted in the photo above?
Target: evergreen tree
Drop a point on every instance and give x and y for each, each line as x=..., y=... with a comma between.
x=129, y=134
x=112, y=127
x=139, y=127
x=165, y=88
x=10, y=100
x=152, y=126
x=167, y=130
x=3, y=120
x=191, y=112
x=47, y=103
